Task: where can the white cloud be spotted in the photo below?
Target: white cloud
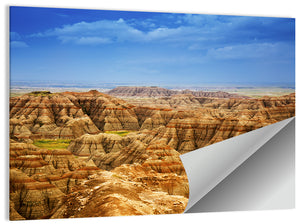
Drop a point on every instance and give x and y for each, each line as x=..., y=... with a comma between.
x=100, y=32
x=255, y=50
x=146, y=23
x=18, y=44
x=84, y=40
x=108, y=31
x=92, y=40
x=195, y=32
x=14, y=36
x=160, y=33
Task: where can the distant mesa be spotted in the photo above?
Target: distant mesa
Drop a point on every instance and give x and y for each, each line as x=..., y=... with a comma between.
x=93, y=91
x=154, y=91
x=140, y=91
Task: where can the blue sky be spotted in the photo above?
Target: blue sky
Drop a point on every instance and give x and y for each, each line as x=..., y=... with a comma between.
x=151, y=48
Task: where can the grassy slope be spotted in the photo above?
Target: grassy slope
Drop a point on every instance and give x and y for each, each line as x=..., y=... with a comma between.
x=52, y=143
x=121, y=133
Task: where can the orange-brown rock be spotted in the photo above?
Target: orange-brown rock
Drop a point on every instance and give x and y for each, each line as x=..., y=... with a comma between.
x=154, y=91
x=32, y=199
x=70, y=115
x=163, y=159
x=150, y=118
x=103, y=174
x=39, y=178
x=47, y=116
x=115, y=193
x=107, y=113
x=132, y=153
x=171, y=183
x=220, y=120
x=32, y=160
x=101, y=143
x=187, y=130
x=13, y=214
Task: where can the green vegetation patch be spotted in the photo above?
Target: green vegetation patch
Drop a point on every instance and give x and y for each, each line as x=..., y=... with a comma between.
x=40, y=93
x=121, y=133
x=117, y=176
x=52, y=143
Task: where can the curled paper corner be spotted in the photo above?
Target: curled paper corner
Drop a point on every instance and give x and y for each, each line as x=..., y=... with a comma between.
x=208, y=166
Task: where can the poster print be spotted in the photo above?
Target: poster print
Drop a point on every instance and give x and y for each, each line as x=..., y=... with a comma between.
x=103, y=103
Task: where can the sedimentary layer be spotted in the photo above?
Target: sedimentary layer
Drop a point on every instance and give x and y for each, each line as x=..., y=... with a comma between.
x=154, y=91
x=57, y=184
x=39, y=179
x=70, y=115
x=48, y=116
x=105, y=174
x=126, y=190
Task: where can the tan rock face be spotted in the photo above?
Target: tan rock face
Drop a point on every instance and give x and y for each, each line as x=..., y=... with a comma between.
x=163, y=159
x=50, y=116
x=70, y=115
x=40, y=178
x=44, y=185
x=103, y=174
x=101, y=143
x=13, y=214
x=120, y=192
x=32, y=199
x=220, y=120
x=153, y=91
x=107, y=113
x=190, y=102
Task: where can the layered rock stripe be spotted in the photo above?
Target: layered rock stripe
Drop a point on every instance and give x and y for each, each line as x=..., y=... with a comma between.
x=139, y=173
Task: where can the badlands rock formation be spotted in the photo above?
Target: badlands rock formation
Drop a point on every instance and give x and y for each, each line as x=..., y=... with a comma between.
x=104, y=174
x=48, y=116
x=40, y=178
x=154, y=91
x=190, y=102
x=127, y=190
x=55, y=184
x=70, y=115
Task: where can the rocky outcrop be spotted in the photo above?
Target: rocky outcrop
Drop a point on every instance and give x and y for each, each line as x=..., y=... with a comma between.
x=13, y=214
x=39, y=179
x=169, y=182
x=48, y=116
x=108, y=151
x=154, y=91
x=32, y=199
x=163, y=159
x=140, y=91
x=185, y=102
x=127, y=190
x=187, y=132
x=103, y=174
x=107, y=113
x=53, y=183
x=87, y=145
x=184, y=131
x=71, y=115
x=150, y=118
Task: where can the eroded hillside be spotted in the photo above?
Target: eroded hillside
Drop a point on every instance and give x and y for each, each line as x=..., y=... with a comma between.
x=135, y=174
x=157, y=92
